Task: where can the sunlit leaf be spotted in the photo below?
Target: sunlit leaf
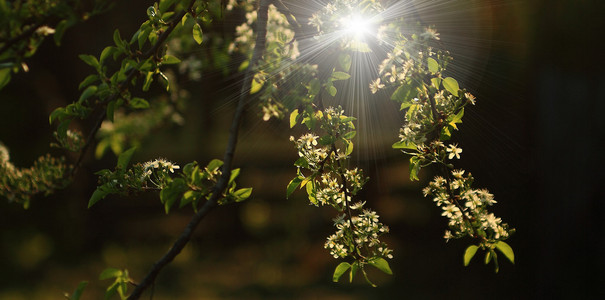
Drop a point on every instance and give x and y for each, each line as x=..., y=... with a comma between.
x=97, y=195
x=506, y=250
x=451, y=85
x=89, y=91
x=345, y=61
x=340, y=269
x=5, y=77
x=294, y=118
x=469, y=253
x=110, y=273
x=242, y=194
x=198, y=35
x=382, y=265
x=433, y=65
x=138, y=103
x=169, y=60
x=340, y=75
x=292, y=185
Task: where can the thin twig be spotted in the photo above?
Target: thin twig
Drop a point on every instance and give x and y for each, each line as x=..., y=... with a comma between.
x=220, y=186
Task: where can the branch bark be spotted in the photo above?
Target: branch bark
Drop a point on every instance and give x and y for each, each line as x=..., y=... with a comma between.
x=179, y=244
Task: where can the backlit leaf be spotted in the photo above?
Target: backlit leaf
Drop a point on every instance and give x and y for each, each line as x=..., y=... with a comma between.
x=469, y=253
x=340, y=269
x=382, y=265
x=198, y=35
x=506, y=250
x=451, y=85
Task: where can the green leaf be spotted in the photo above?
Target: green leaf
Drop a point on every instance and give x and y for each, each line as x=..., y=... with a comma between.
x=457, y=118
x=90, y=60
x=451, y=85
x=5, y=77
x=198, y=35
x=469, y=253
x=59, y=31
x=143, y=36
x=110, y=273
x=88, y=81
x=117, y=39
x=349, y=148
x=506, y=250
x=345, y=61
x=404, y=93
x=433, y=65
x=349, y=135
x=89, y=91
x=257, y=83
x=57, y=114
x=78, y=291
x=138, y=103
x=326, y=140
x=404, y=145
x=107, y=52
x=148, y=80
x=214, y=164
x=62, y=128
x=414, y=168
x=340, y=269
x=124, y=158
x=242, y=194
x=436, y=82
x=292, y=185
x=382, y=265
x=234, y=174
x=294, y=118
x=169, y=60
x=354, y=269
x=172, y=192
x=331, y=90
x=340, y=76
x=111, y=106
x=310, y=190
x=97, y=195
x=488, y=256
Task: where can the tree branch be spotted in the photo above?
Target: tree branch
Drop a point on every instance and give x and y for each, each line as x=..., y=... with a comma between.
x=179, y=244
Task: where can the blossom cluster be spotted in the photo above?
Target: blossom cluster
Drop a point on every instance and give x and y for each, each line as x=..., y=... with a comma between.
x=331, y=184
x=466, y=208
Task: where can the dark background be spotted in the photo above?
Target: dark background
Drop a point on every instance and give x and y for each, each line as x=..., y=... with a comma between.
x=534, y=139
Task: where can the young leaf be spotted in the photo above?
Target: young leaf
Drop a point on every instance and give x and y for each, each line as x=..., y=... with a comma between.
x=90, y=60
x=457, y=118
x=331, y=90
x=293, y=118
x=124, y=158
x=117, y=39
x=214, y=164
x=433, y=65
x=414, y=168
x=97, y=195
x=469, y=253
x=404, y=145
x=354, y=269
x=340, y=269
x=349, y=148
x=110, y=273
x=89, y=91
x=88, y=81
x=294, y=183
x=340, y=75
x=451, y=85
x=169, y=60
x=234, y=174
x=198, y=35
x=108, y=51
x=78, y=291
x=139, y=103
x=242, y=194
x=345, y=61
x=506, y=250
x=382, y=265
x=257, y=84
x=5, y=77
